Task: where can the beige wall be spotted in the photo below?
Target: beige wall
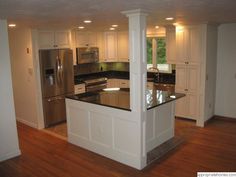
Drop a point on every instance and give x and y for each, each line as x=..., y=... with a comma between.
x=24, y=85
x=8, y=134
x=225, y=104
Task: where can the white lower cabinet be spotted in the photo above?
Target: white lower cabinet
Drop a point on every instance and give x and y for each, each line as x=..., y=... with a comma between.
x=123, y=83
x=120, y=83
x=188, y=106
x=187, y=82
x=79, y=88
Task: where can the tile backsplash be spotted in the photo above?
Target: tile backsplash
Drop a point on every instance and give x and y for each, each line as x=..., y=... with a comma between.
x=98, y=67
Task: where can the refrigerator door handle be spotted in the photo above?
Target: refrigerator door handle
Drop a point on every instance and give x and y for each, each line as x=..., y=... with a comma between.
x=57, y=70
x=61, y=70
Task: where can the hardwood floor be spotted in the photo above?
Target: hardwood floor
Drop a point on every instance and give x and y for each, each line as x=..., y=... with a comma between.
x=212, y=148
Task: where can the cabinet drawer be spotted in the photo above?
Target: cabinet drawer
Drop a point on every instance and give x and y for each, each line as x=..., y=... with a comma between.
x=80, y=88
x=124, y=83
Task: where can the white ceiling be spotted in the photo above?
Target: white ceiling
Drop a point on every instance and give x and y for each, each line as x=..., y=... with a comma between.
x=103, y=13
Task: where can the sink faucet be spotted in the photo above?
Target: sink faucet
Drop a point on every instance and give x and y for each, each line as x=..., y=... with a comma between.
x=157, y=73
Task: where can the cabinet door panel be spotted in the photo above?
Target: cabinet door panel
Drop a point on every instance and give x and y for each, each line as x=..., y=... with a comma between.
x=182, y=42
x=193, y=106
x=182, y=107
x=192, y=78
x=62, y=39
x=81, y=39
x=195, y=51
x=111, y=46
x=92, y=38
x=123, y=46
x=46, y=39
x=181, y=78
x=101, y=45
x=171, y=45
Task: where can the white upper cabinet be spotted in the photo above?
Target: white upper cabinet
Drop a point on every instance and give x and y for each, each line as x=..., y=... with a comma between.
x=182, y=42
x=188, y=45
x=48, y=39
x=116, y=46
x=110, y=46
x=123, y=46
x=170, y=45
x=85, y=39
x=113, y=46
x=195, y=44
x=101, y=46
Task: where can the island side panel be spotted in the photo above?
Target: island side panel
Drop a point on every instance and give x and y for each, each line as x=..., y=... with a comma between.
x=113, y=133
x=159, y=125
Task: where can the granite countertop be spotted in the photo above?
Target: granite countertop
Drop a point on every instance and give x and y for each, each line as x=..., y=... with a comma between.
x=121, y=99
x=164, y=78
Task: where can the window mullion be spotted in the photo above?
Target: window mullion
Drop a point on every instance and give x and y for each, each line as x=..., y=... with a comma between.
x=154, y=52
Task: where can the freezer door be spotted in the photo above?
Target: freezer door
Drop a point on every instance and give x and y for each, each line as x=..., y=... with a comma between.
x=54, y=110
x=65, y=58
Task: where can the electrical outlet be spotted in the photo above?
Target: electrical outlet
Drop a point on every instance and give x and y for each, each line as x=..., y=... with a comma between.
x=30, y=71
x=207, y=77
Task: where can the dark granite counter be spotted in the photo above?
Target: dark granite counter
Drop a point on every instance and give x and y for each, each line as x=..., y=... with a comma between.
x=120, y=99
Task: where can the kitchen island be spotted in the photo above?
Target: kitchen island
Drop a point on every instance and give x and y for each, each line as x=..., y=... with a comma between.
x=103, y=122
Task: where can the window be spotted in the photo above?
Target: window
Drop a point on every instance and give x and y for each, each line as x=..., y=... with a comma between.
x=156, y=54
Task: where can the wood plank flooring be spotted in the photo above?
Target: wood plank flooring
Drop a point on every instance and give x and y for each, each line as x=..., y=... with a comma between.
x=212, y=148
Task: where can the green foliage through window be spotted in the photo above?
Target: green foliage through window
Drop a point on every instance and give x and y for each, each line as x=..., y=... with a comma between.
x=161, y=50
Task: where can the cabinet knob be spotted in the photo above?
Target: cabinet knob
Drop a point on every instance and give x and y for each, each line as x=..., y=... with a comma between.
x=55, y=46
x=185, y=89
x=186, y=62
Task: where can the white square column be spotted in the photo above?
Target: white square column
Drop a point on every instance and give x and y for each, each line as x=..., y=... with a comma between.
x=138, y=73
x=9, y=146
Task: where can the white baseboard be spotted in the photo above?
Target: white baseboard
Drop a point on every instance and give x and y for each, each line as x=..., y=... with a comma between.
x=31, y=124
x=10, y=155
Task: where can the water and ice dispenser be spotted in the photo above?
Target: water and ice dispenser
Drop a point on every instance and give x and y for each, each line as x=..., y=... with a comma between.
x=50, y=76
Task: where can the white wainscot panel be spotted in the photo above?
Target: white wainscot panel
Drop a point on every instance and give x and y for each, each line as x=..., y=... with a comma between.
x=101, y=129
x=150, y=125
x=79, y=124
x=159, y=125
x=126, y=136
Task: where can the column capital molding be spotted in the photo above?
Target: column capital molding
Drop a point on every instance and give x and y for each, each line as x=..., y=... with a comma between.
x=129, y=13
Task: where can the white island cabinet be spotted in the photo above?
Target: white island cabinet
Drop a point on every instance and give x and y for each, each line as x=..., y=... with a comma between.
x=104, y=125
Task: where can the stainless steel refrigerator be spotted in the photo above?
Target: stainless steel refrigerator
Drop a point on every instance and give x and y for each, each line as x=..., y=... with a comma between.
x=57, y=81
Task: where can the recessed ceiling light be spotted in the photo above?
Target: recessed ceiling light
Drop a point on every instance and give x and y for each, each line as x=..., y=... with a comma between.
x=114, y=26
x=169, y=18
x=81, y=27
x=12, y=25
x=87, y=21
x=175, y=24
x=156, y=27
